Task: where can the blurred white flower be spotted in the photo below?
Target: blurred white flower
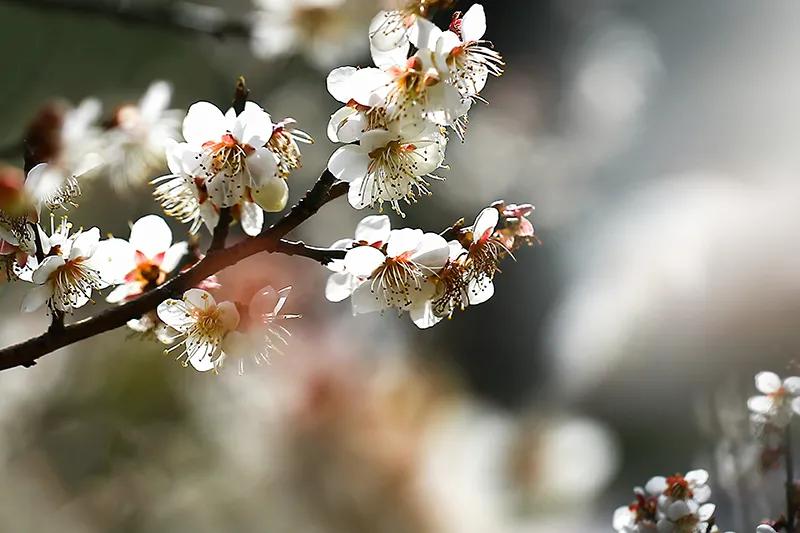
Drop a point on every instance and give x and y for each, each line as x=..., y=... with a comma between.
x=325, y=32
x=259, y=334
x=202, y=325
x=74, y=267
x=779, y=400
x=137, y=137
x=144, y=261
x=686, y=516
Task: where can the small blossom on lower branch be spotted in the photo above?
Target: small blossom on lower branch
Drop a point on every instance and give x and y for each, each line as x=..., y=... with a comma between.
x=213, y=335
x=673, y=504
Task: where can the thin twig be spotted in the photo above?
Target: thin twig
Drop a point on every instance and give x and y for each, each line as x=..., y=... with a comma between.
x=182, y=16
x=791, y=511
x=270, y=240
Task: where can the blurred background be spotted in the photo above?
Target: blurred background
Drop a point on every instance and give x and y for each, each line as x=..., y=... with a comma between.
x=659, y=144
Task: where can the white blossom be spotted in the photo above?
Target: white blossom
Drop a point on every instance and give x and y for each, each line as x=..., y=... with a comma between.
x=135, y=143
x=144, y=261
x=373, y=231
x=75, y=266
x=227, y=154
x=202, y=325
x=778, y=401
x=260, y=333
x=389, y=165
x=398, y=277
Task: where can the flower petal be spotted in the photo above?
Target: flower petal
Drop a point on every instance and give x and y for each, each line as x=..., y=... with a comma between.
x=792, y=385
x=272, y=195
x=485, y=224
x=204, y=122
x=364, y=300
x=252, y=218
x=199, y=299
x=339, y=83
x=340, y=286
x=48, y=266
x=767, y=382
x=480, y=290
x=348, y=163
x=432, y=252
x=36, y=297
x=174, y=314
x=423, y=316
x=151, y=236
x=374, y=229
x=173, y=256
x=229, y=315
x=403, y=241
x=656, y=485
x=85, y=243
x=759, y=404
x=473, y=24
x=362, y=261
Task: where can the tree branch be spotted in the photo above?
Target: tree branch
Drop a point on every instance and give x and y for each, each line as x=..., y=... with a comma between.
x=182, y=16
x=270, y=240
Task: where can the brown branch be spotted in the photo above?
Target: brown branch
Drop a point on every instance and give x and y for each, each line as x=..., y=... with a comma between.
x=182, y=16
x=270, y=240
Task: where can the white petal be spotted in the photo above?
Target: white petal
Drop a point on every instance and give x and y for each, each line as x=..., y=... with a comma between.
x=373, y=229
x=424, y=34
x=85, y=244
x=340, y=286
x=48, y=266
x=36, y=297
x=339, y=83
x=759, y=404
x=796, y=405
x=202, y=356
x=696, y=477
x=255, y=125
x=480, y=290
x=473, y=24
x=387, y=31
x=376, y=139
x=173, y=313
x=432, y=252
x=767, y=382
x=198, y=298
x=173, y=256
x=252, y=218
x=423, y=316
x=764, y=528
x=678, y=510
x=155, y=100
x=41, y=181
x=404, y=240
x=705, y=512
x=364, y=301
x=114, y=259
x=151, y=236
x=348, y=163
x=369, y=86
x=346, y=125
x=362, y=261
x=385, y=59
x=701, y=493
x=358, y=195
x=485, y=223
x=204, y=122
x=229, y=315
x=122, y=292
x=792, y=385
x=656, y=485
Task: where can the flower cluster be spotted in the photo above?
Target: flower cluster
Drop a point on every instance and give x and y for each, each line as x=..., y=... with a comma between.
x=422, y=273
x=395, y=114
x=676, y=504
x=210, y=334
x=239, y=161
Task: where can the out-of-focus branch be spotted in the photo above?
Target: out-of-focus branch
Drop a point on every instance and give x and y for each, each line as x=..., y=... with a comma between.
x=270, y=240
x=182, y=16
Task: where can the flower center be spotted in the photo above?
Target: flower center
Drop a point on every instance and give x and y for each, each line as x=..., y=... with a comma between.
x=393, y=282
x=228, y=156
x=678, y=488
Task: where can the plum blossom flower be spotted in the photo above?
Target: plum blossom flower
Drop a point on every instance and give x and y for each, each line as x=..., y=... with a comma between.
x=485, y=249
x=687, y=516
x=74, y=267
x=260, y=332
x=778, y=401
x=283, y=143
x=226, y=154
x=399, y=276
x=461, y=55
x=398, y=28
x=640, y=516
x=373, y=231
x=144, y=261
x=389, y=166
x=137, y=136
x=202, y=325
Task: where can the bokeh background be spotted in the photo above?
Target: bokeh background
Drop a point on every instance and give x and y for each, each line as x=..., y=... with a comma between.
x=659, y=143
